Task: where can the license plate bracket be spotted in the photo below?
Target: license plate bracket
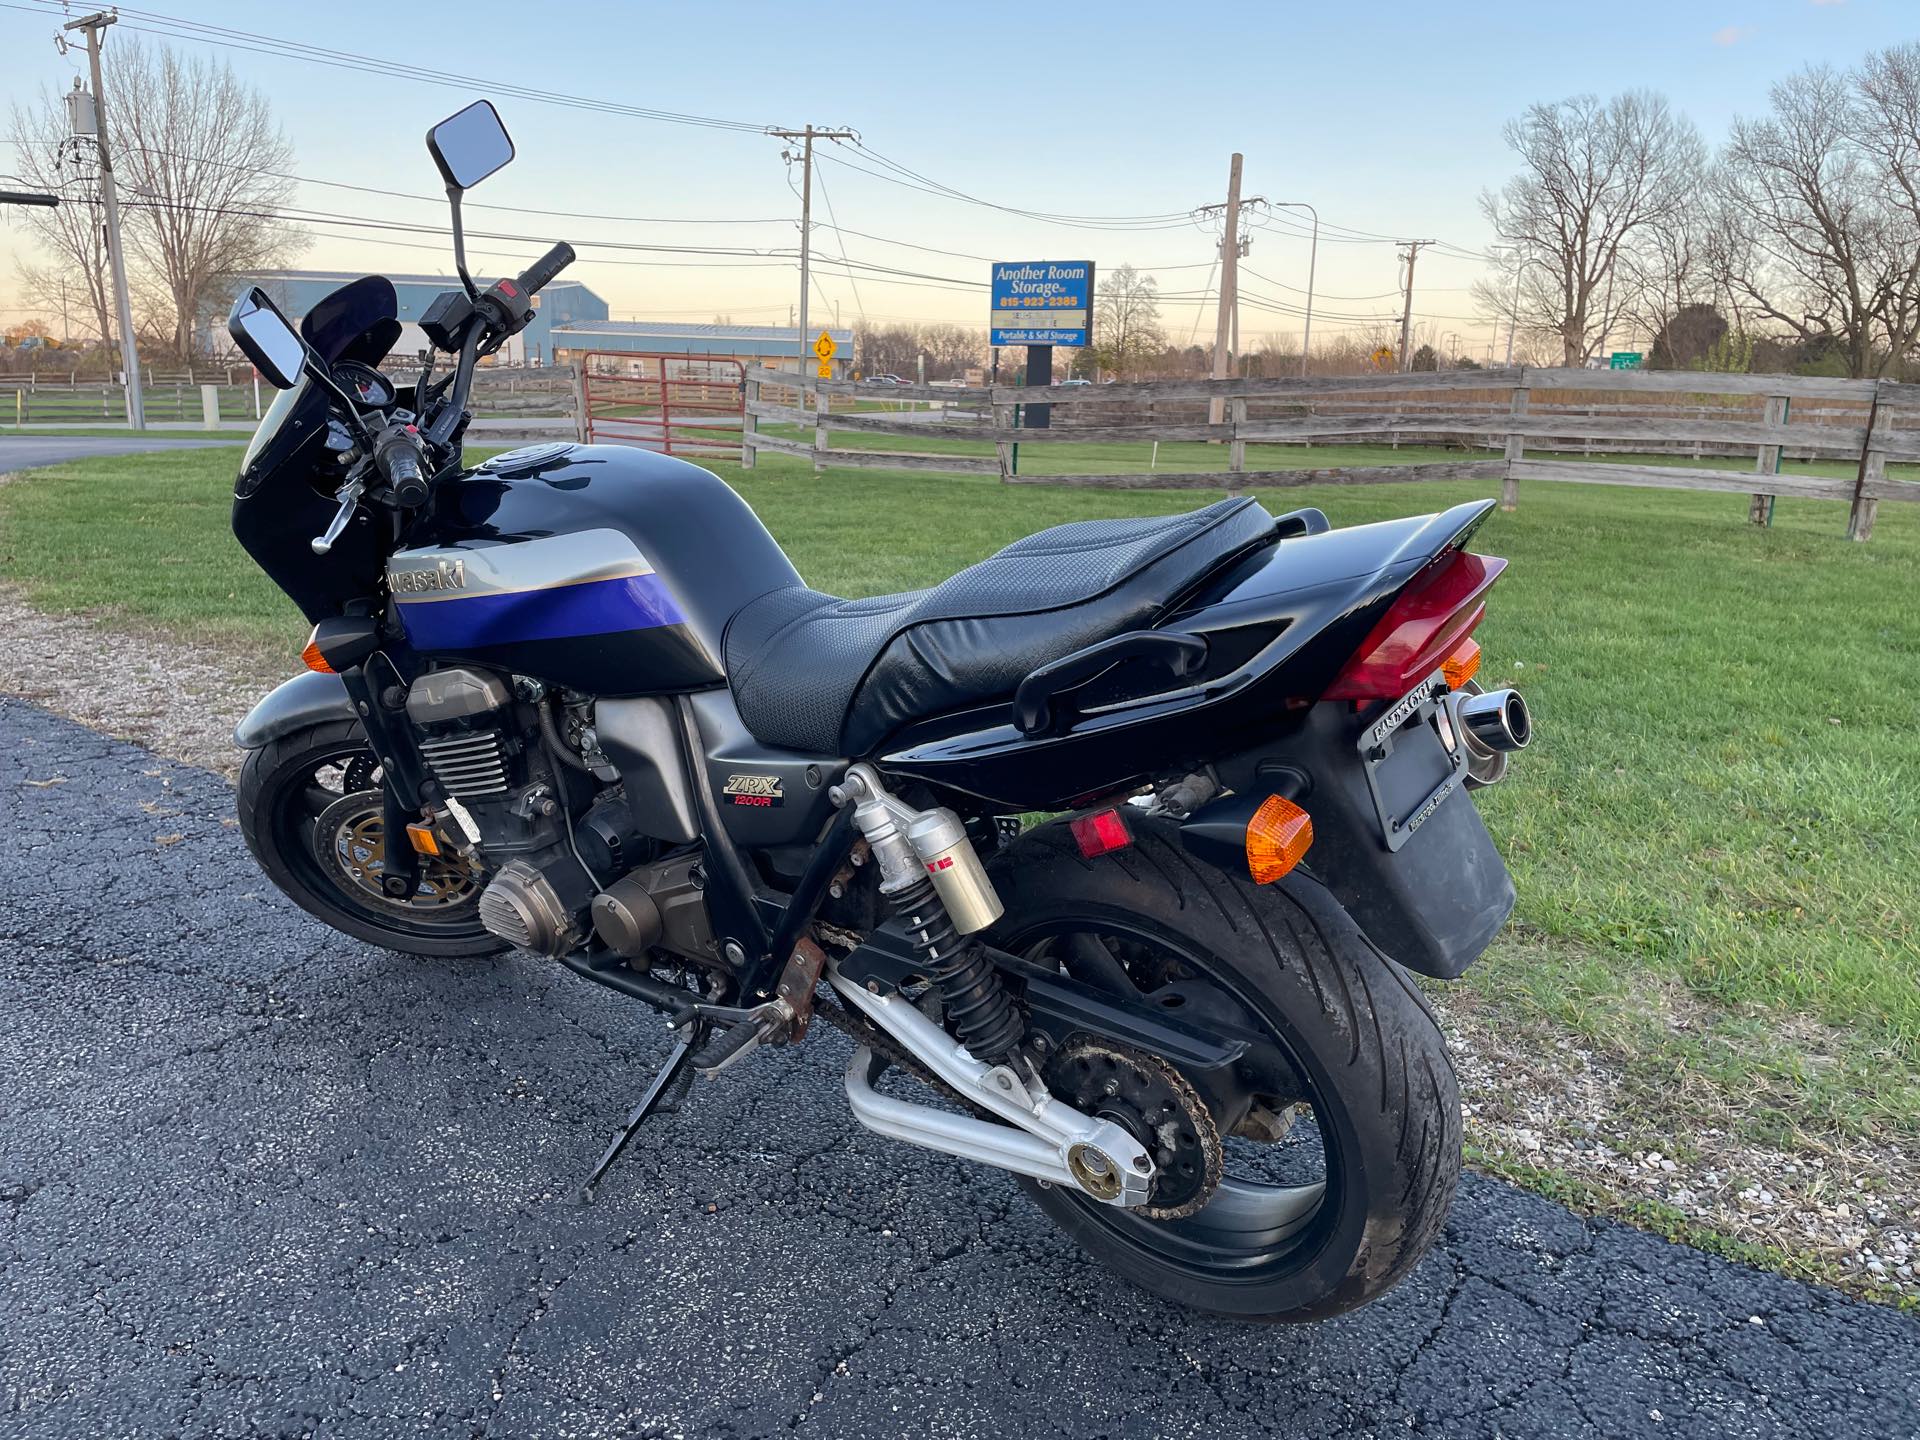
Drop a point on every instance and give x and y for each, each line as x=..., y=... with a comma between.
x=1410, y=761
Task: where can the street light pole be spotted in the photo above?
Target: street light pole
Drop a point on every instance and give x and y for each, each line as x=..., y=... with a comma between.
x=1513, y=319
x=1313, y=262
x=94, y=25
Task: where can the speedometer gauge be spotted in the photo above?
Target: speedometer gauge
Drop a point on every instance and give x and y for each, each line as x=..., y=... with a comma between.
x=366, y=384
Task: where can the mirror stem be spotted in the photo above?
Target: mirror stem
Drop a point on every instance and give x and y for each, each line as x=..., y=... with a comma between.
x=319, y=372
x=460, y=243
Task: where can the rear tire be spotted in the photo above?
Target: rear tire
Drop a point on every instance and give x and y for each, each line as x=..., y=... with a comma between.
x=288, y=787
x=1356, y=1028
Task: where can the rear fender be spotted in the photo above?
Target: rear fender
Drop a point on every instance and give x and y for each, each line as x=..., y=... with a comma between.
x=309, y=698
x=1433, y=904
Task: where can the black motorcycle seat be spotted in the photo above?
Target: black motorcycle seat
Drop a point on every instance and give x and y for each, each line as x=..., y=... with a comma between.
x=817, y=673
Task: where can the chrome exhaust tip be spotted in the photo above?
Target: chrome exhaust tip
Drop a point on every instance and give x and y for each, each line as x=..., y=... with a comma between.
x=1497, y=719
x=1491, y=725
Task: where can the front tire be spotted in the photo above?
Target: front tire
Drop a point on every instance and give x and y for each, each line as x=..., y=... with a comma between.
x=1379, y=1085
x=310, y=809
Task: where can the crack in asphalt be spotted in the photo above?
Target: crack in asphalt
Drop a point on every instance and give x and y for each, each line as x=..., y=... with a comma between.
x=257, y=1178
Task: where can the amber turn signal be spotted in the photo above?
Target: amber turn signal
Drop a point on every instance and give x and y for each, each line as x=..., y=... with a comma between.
x=313, y=659
x=425, y=842
x=1462, y=665
x=1278, y=836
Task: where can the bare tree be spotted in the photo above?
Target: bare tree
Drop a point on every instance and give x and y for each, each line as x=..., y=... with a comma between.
x=1887, y=125
x=886, y=350
x=71, y=235
x=1597, y=179
x=1812, y=233
x=951, y=350
x=1126, y=321
x=203, y=168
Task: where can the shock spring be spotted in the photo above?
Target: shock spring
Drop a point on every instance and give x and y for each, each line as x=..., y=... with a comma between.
x=981, y=1013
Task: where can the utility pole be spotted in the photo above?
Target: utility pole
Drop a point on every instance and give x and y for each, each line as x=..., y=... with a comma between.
x=1410, y=255
x=1229, y=289
x=807, y=136
x=95, y=26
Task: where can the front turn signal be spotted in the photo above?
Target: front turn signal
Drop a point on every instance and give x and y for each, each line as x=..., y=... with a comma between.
x=313, y=659
x=1278, y=837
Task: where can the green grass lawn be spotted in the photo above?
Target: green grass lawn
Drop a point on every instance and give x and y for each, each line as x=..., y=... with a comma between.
x=1716, y=837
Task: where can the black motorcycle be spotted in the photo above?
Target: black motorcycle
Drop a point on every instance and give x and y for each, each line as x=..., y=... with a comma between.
x=576, y=701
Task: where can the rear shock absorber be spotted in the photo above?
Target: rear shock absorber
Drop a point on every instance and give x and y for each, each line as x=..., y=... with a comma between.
x=929, y=871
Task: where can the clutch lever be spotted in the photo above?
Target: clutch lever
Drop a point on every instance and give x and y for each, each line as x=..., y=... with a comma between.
x=349, y=497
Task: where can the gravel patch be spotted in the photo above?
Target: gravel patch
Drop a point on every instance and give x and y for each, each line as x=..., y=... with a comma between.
x=166, y=693
x=1851, y=1203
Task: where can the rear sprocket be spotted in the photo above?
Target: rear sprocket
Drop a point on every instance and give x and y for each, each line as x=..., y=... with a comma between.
x=1154, y=1103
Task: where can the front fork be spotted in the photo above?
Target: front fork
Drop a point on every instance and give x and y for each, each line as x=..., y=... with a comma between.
x=406, y=787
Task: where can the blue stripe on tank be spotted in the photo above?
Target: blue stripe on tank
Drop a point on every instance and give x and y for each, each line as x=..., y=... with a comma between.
x=597, y=607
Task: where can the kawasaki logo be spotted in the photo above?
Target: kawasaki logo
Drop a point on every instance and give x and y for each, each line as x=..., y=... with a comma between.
x=445, y=575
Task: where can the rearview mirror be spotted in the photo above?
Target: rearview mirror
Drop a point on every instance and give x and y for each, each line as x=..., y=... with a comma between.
x=470, y=146
x=266, y=338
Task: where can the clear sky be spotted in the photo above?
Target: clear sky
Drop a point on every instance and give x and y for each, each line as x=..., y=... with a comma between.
x=1383, y=115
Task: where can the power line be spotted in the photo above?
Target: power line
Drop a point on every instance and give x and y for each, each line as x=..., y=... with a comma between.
x=199, y=32
x=840, y=238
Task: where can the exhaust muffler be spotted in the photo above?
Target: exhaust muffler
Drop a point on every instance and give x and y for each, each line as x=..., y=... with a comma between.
x=1492, y=724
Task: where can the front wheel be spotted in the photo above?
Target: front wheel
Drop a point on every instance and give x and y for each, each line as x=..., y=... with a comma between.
x=1297, y=1204
x=312, y=813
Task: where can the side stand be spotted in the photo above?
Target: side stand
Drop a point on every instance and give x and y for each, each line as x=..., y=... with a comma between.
x=675, y=1066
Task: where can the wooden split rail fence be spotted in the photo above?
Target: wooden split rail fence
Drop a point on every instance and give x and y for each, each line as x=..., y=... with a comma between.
x=1543, y=423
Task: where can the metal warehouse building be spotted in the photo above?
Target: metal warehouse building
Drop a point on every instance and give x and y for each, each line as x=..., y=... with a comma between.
x=777, y=345
x=563, y=303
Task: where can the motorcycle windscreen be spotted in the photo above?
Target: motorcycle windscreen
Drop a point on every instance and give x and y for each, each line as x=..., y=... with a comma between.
x=359, y=321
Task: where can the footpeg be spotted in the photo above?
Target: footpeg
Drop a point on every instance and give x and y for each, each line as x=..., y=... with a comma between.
x=734, y=1043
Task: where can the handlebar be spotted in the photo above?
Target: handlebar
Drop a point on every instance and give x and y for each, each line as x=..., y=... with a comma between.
x=537, y=275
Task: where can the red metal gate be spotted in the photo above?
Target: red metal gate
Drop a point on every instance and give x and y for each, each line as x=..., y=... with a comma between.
x=676, y=404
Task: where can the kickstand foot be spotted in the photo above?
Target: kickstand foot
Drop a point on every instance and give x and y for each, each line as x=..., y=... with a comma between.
x=673, y=1069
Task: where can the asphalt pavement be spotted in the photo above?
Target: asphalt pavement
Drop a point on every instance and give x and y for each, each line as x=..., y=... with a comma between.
x=24, y=452
x=260, y=1179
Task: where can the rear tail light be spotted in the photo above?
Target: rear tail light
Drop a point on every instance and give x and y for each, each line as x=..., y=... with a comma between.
x=1278, y=836
x=1101, y=833
x=1426, y=624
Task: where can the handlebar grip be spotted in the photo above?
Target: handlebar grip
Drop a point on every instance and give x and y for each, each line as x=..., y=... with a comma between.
x=400, y=464
x=536, y=275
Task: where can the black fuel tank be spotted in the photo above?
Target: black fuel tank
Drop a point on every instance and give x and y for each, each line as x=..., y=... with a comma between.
x=607, y=569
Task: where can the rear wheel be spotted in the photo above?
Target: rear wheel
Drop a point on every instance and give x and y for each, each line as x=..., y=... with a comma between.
x=312, y=813
x=1312, y=1195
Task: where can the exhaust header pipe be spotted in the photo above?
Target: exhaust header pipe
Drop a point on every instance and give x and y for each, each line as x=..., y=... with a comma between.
x=1492, y=724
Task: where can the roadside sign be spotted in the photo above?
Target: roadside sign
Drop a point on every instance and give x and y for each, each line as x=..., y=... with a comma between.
x=1041, y=302
x=826, y=369
x=1626, y=360
x=824, y=346
x=1382, y=358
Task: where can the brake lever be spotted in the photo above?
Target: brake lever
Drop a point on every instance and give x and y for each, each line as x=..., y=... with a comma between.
x=349, y=497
